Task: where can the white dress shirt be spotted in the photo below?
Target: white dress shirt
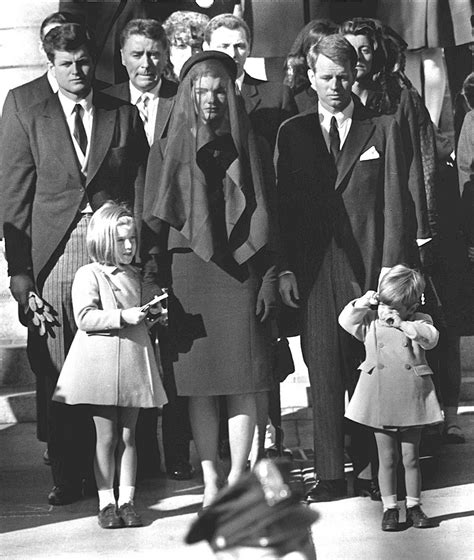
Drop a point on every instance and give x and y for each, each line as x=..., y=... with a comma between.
x=343, y=121
x=152, y=108
x=87, y=118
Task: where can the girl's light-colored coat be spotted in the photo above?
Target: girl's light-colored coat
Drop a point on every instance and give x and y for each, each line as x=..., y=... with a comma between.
x=108, y=364
x=395, y=387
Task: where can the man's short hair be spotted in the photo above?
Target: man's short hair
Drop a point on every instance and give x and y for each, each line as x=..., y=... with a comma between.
x=59, y=18
x=230, y=22
x=149, y=28
x=336, y=48
x=68, y=37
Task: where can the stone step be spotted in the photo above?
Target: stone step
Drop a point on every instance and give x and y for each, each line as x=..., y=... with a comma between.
x=17, y=404
x=15, y=369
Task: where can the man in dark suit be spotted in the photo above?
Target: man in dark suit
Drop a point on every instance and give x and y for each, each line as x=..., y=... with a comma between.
x=268, y=104
x=342, y=187
x=18, y=100
x=61, y=159
x=144, y=51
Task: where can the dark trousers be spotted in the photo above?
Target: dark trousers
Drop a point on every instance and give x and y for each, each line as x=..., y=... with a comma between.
x=328, y=352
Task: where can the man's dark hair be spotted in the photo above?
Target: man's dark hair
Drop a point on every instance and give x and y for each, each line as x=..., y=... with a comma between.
x=149, y=28
x=336, y=48
x=68, y=37
x=230, y=22
x=59, y=18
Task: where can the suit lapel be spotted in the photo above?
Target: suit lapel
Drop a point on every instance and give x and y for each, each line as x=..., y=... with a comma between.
x=250, y=94
x=360, y=132
x=166, y=97
x=59, y=136
x=102, y=132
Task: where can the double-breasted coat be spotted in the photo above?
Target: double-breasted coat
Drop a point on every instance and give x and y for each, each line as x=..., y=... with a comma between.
x=109, y=364
x=395, y=387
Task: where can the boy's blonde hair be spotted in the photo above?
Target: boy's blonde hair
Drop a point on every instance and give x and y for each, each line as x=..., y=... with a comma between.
x=401, y=286
x=102, y=232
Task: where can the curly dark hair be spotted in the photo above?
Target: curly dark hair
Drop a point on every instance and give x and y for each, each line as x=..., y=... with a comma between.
x=388, y=66
x=296, y=66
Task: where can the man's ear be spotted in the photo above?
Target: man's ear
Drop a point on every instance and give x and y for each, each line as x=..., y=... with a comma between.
x=206, y=46
x=121, y=57
x=51, y=68
x=311, y=76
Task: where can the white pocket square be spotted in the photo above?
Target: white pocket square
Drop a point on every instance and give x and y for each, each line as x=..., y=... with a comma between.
x=371, y=153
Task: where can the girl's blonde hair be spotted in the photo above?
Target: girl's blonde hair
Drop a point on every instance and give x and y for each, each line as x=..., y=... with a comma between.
x=102, y=231
x=401, y=286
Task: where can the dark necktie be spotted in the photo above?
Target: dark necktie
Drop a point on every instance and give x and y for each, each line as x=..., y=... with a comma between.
x=334, y=140
x=79, y=130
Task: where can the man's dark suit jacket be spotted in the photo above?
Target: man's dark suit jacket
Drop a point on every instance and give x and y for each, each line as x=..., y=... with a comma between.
x=166, y=96
x=41, y=182
x=361, y=203
x=268, y=104
x=26, y=95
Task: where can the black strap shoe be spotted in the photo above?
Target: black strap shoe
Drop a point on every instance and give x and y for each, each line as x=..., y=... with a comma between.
x=367, y=489
x=390, y=520
x=417, y=517
x=129, y=516
x=108, y=518
x=181, y=471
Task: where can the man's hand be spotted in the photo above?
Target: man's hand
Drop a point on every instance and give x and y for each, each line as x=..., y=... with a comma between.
x=288, y=288
x=20, y=286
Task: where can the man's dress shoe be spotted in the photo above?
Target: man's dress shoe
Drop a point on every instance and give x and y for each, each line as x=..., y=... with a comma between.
x=63, y=495
x=327, y=491
x=180, y=471
x=367, y=489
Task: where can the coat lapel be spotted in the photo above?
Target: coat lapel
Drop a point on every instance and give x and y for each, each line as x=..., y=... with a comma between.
x=250, y=94
x=165, y=105
x=59, y=136
x=356, y=141
x=102, y=132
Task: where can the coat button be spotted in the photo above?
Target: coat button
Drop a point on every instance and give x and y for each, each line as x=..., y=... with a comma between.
x=381, y=344
x=407, y=366
x=405, y=344
x=380, y=366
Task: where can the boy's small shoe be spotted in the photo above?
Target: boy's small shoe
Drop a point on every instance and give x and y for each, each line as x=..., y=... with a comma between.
x=108, y=518
x=417, y=517
x=390, y=520
x=129, y=516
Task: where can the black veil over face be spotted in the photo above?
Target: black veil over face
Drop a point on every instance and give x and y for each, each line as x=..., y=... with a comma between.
x=182, y=193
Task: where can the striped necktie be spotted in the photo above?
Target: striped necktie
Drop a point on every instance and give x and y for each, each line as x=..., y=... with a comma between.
x=143, y=107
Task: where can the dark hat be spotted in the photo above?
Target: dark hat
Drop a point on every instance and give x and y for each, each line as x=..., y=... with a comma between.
x=258, y=511
x=226, y=60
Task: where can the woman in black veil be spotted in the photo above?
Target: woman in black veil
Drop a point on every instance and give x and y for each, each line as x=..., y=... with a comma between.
x=211, y=217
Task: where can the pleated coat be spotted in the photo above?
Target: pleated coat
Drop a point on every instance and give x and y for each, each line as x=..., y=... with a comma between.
x=108, y=364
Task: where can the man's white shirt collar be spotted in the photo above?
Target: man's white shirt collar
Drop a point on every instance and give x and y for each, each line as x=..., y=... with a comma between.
x=135, y=93
x=239, y=81
x=52, y=81
x=68, y=104
x=343, y=119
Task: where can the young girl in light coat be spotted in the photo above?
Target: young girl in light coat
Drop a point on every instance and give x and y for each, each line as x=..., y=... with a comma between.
x=111, y=364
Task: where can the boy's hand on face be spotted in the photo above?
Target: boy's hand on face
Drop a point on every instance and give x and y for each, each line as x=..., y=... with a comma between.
x=368, y=299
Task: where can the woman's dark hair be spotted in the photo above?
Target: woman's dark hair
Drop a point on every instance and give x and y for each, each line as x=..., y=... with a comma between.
x=296, y=66
x=387, y=76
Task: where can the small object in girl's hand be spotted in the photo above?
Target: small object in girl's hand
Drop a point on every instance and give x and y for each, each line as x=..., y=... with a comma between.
x=154, y=301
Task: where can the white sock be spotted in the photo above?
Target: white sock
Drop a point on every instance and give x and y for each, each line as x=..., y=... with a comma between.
x=106, y=497
x=412, y=502
x=389, y=502
x=126, y=494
